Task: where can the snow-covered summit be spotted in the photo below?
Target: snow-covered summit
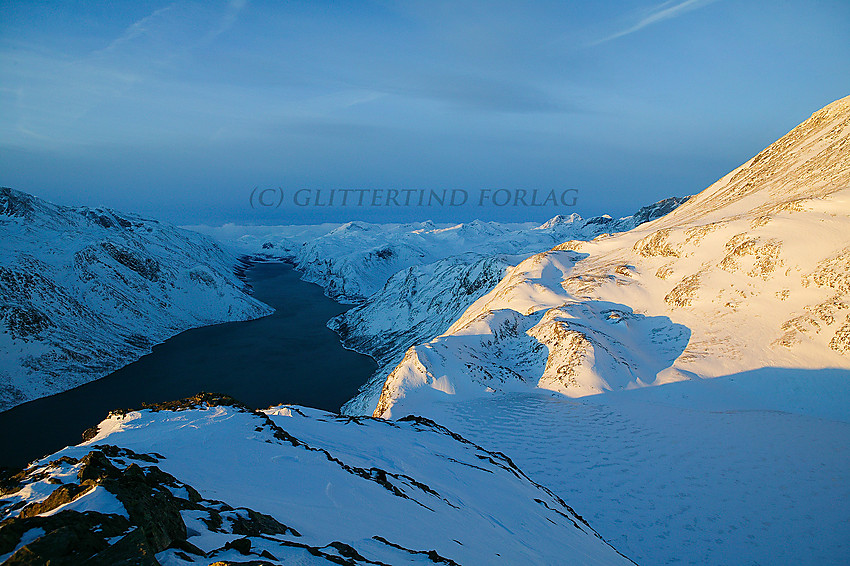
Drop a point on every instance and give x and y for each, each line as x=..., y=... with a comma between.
x=84, y=291
x=754, y=271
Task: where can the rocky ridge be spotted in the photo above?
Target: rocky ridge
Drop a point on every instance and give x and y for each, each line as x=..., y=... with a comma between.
x=285, y=485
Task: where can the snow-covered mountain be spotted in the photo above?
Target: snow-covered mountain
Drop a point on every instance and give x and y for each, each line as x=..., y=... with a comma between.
x=354, y=260
x=421, y=302
x=415, y=305
x=85, y=291
x=411, y=281
x=209, y=480
x=747, y=284
x=752, y=272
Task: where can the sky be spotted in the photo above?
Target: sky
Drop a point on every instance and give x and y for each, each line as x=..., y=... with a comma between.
x=212, y=112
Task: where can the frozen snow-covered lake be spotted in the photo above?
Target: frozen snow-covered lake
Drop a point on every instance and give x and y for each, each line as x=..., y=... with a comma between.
x=287, y=357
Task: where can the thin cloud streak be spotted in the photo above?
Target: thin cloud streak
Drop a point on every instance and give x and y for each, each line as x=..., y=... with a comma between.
x=659, y=13
x=137, y=28
x=234, y=8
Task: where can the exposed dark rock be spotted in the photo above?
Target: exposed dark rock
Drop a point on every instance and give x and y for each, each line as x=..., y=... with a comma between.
x=139, y=341
x=346, y=550
x=146, y=267
x=150, y=506
x=62, y=460
x=249, y=563
x=95, y=466
x=432, y=555
x=256, y=524
x=63, y=494
x=598, y=220
x=214, y=522
x=15, y=203
x=658, y=209
x=153, y=511
x=118, y=452
x=240, y=545
x=187, y=546
x=10, y=480
x=23, y=321
x=90, y=433
x=385, y=253
x=70, y=538
x=202, y=398
x=131, y=550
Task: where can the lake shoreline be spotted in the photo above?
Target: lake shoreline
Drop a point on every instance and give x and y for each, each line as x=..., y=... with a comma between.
x=287, y=357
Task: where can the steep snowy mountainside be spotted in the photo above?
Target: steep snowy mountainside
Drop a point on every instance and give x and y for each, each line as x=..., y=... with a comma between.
x=810, y=162
x=415, y=305
x=207, y=479
x=85, y=291
x=421, y=301
x=354, y=260
x=752, y=272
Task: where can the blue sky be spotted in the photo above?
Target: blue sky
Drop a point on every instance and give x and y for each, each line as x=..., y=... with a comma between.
x=180, y=109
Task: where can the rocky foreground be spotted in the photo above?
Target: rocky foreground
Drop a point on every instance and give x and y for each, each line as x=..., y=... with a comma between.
x=207, y=480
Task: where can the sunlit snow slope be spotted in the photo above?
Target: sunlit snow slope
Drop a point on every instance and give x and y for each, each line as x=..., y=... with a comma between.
x=411, y=281
x=752, y=272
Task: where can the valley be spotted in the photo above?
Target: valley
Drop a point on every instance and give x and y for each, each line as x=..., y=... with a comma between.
x=668, y=387
x=284, y=357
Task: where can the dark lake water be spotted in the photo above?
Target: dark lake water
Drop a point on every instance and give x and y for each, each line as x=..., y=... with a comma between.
x=287, y=357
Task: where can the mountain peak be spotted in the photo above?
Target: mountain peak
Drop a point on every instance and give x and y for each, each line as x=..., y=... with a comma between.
x=16, y=203
x=751, y=272
x=811, y=161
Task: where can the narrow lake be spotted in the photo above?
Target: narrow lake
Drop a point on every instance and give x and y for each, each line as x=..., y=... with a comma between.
x=287, y=357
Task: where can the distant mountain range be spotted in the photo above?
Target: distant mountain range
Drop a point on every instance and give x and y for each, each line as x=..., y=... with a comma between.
x=412, y=281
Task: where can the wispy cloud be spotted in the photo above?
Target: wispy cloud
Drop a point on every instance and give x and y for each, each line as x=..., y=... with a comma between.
x=138, y=28
x=53, y=98
x=163, y=20
x=231, y=13
x=664, y=11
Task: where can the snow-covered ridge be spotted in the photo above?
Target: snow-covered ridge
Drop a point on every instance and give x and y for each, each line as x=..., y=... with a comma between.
x=752, y=272
x=352, y=261
x=411, y=281
x=421, y=302
x=85, y=291
x=207, y=480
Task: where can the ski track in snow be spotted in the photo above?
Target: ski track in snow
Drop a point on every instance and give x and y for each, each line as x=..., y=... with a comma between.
x=667, y=485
